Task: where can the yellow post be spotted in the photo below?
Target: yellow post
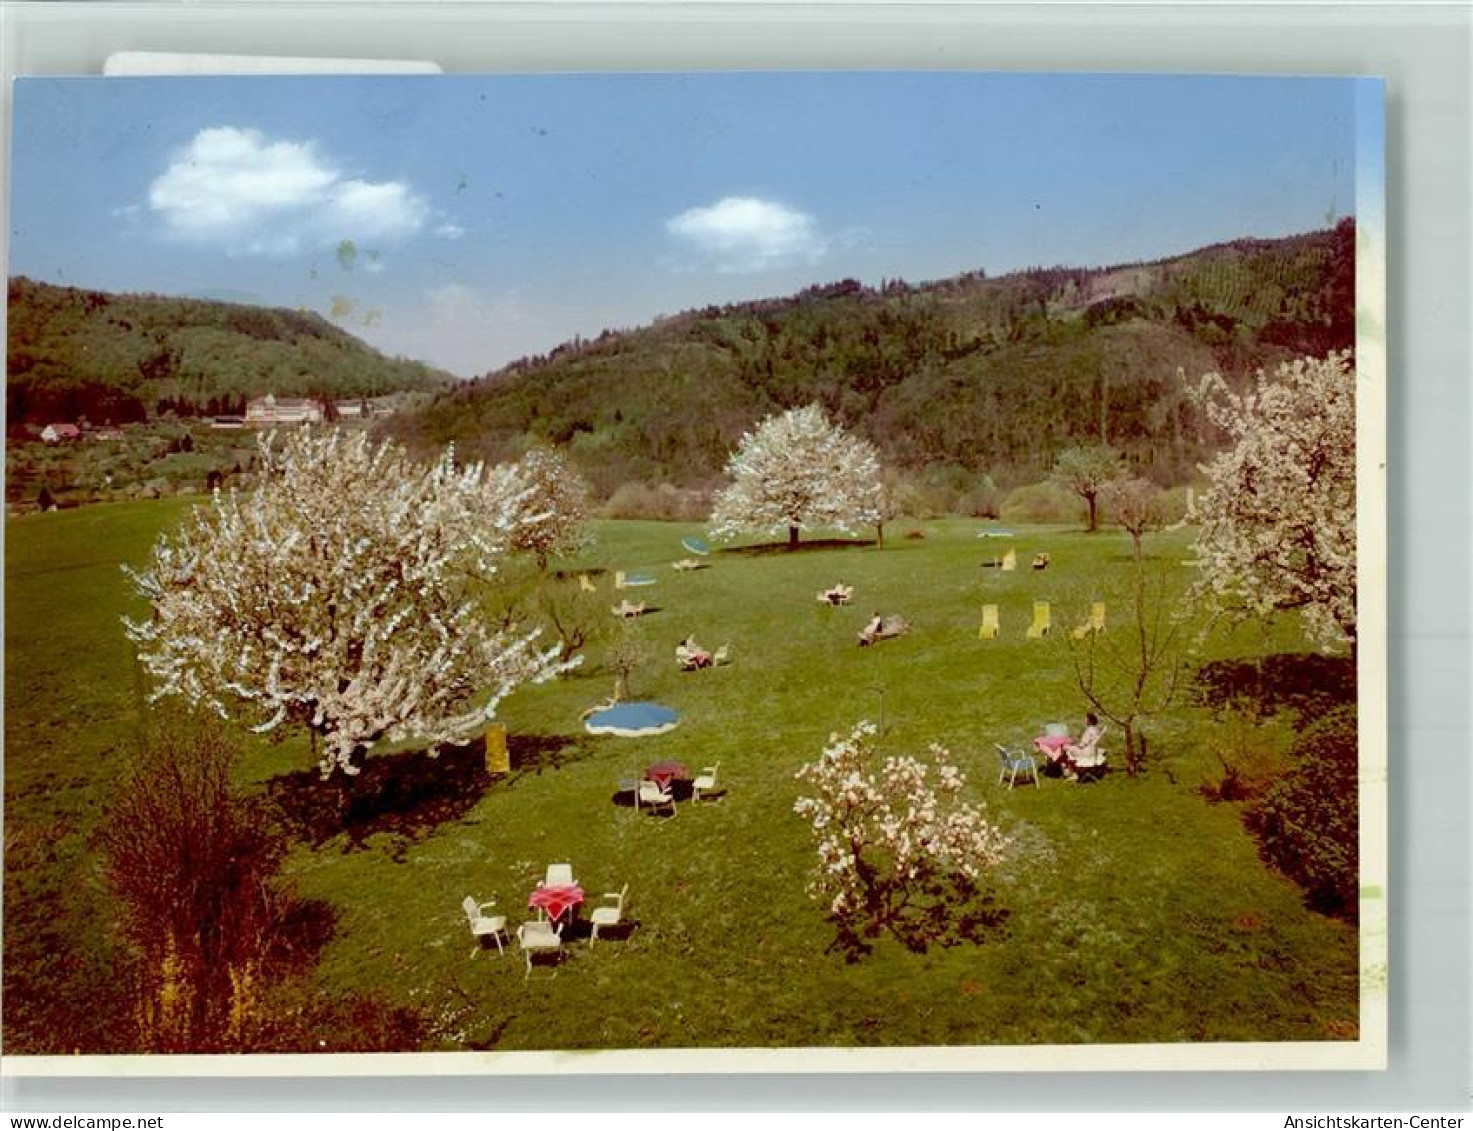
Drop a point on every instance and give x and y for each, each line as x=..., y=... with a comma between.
x=1010, y=561
x=498, y=757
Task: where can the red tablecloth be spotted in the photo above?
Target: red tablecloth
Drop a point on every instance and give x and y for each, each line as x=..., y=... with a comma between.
x=663, y=773
x=1051, y=745
x=556, y=899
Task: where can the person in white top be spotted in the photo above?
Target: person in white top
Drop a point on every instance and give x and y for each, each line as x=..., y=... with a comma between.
x=1083, y=754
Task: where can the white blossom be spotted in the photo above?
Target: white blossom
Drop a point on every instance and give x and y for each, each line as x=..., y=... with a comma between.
x=342, y=594
x=798, y=471
x=553, y=512
x=1278, y=523
x=879, y=832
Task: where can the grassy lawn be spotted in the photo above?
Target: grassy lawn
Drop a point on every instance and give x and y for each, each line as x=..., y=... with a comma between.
x=1135, y=909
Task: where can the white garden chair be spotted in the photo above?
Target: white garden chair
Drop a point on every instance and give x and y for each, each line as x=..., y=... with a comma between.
x=608, y=915
x=559, y=876
x=484, y=926
x=539, y=937
x=652, y=796
x=705, y=782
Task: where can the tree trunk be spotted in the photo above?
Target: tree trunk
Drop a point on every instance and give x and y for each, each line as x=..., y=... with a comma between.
x=1090, y=499
x=1135, y=750
x=792, y=537
x=880, y=535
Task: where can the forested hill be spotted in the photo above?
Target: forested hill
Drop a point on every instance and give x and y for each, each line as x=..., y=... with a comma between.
x=120, y=357
x=985, y=374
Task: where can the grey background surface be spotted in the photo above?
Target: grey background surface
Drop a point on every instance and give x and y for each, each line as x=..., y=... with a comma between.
x=1423, y=52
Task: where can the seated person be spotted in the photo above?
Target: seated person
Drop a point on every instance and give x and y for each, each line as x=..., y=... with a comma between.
x=871, y=632
x=1040, y=561
x=691, y=655
x=626, y=609
x=1084, y=754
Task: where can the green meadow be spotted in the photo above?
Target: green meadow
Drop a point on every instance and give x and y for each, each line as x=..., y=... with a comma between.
x=1129, y=909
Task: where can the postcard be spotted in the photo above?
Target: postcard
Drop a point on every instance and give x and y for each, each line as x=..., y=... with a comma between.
x=695, y=572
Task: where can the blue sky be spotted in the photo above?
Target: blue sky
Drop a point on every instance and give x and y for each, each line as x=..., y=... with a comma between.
x=470, y=220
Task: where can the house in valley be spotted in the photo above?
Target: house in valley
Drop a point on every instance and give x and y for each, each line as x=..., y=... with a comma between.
x=272, y=409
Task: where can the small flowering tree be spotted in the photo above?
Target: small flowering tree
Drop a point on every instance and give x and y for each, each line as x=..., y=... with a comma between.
x=1085, y=470
x=342, y=595
x=1135, y=505
x=554, y=508
x=898, y=849
x=798, y=471
x=1278, y=522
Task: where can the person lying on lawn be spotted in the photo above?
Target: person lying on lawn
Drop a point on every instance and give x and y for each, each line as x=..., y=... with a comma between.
x=882, y=628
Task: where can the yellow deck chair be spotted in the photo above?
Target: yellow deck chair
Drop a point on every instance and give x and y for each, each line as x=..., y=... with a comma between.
x=586, y=584
x=1042, y=622
x=1010, y=560
x=1096, y=622
x=619, y=579
x=989, y=628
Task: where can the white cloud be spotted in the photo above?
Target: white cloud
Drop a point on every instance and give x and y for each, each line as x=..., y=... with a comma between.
x=744, y=233
x=450, y=230
x=251, y=195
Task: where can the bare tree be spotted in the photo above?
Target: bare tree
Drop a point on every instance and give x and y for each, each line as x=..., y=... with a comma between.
x=194, y=864
x=1134, y=672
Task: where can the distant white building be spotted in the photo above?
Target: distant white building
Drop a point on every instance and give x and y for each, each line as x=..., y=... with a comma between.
x=271, y=409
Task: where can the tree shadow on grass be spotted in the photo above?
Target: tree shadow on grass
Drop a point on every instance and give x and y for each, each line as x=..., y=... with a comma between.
x=944, y=914
x=534, y=753
x=1308, y=683
x=581, y=930
x=592, y=572
x=408, y=795
x=766, y=548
